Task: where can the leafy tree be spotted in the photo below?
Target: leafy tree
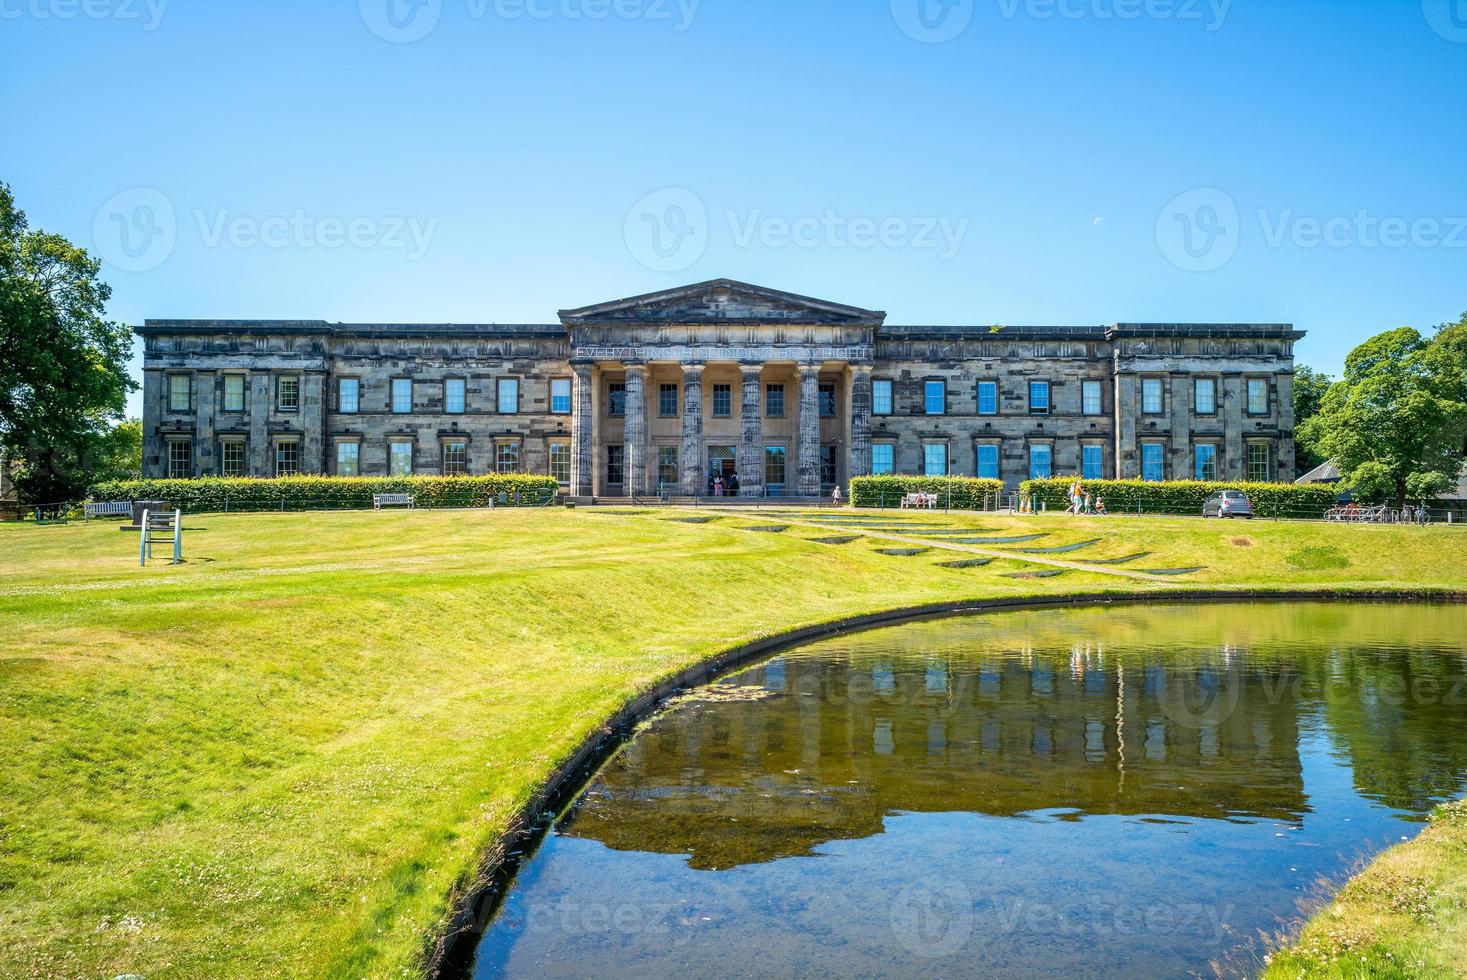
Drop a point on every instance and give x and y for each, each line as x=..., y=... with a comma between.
x=121, y=452
x=1309, y=390
x=1395, y=422
x=63, y=366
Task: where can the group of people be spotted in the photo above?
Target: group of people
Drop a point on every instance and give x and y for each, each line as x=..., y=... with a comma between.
x=718, y=487
x=1081, y=501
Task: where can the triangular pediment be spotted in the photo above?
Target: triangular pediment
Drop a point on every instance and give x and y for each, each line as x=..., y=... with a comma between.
x=721, y=300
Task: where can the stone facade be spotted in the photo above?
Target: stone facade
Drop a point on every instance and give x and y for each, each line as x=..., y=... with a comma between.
x=660, y=392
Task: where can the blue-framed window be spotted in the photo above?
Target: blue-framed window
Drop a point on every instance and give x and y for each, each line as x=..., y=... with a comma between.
x=402, y=396
x=1039, y=398
x=1041, y=461
x=1206, y=460
x=988, y=398
x=722, y=401
x=1153, y=462
x=1092, y=462
x=881, y=402
x=616, y=404
x=1151, y=396
x=934, y=459
x=774, y=401
x=667, y=401
x=934, y=397
x=509, y=396
x=883, y=458
x=454, y=396
x=1091, y=402
x=348, y=395
x=827, y=400
x=560, y=396
x=988, y=462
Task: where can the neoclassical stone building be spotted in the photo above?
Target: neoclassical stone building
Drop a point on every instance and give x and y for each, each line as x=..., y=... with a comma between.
x=792, y=395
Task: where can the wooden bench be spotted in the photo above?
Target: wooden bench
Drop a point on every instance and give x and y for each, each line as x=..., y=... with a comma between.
x=380, y=500
x=920, y=501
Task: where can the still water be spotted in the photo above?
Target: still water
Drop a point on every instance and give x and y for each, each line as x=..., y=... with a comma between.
x=1109, y=792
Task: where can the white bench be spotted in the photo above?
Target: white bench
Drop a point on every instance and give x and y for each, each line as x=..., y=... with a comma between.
x=380, y=500
x=108, y=508
x=920, y=501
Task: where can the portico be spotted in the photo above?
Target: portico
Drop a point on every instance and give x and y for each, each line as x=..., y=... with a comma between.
x=766, y=391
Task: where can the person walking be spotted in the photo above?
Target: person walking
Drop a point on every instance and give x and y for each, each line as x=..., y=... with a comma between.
x=835, y=496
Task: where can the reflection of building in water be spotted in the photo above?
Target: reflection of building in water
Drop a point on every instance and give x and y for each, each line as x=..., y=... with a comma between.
x=842, y=746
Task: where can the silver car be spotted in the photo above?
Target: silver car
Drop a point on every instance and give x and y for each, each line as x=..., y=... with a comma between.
x=1228, y=503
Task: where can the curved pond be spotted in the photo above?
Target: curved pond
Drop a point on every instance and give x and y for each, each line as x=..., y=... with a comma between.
x=1136, y=791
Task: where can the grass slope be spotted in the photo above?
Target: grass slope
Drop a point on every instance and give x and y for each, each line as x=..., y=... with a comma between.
x=282, y=757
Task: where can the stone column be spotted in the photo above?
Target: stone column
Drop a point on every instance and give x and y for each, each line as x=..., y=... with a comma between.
x=809, y=449
x=583, y=456
x=205, y=444
x=751, y=438
x=636, y=429
x=694, y=462
x=262, y=462
x=860, y=420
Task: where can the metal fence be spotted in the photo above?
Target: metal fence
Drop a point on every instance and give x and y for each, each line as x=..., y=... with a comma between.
x=62, y=513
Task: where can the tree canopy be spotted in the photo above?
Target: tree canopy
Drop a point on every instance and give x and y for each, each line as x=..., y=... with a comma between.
x=1310, y=387
x=63, y=365
x=1396, y=423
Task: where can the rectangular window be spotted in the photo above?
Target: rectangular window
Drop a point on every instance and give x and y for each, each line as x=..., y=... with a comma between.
x=934, y=459
x=615, y=474
x=722, y=401
x=1039, y=398
x=1090, y=398
x=827, y=400
x=178, y=393
x=560, y=396
x=509, y=396
x=616, y=399
x=1204, y=396
x=774, y=470
x=400, y=459
x=180, y=459
x=667, y=467
x=506, y=457
x=287, y=458
x=348, y=395
x=988, y=398
x=934, y=397
x=1092, y=462
x=1151, y=401
x=232, y=458
x=1257, y=396
x=348, y=459
x=774, y=401
x=828, y=475
x=288, y=394
x=560, y=462
x=455, y=396
x=402, y=396
x=455, y=458
x=667, y=401
x=234, y=392
x=988, y=462
x=1206, y=468
x=1153, y=462
x=881, y=397
x=883, y=459
x=1041, y=461
x=1259, y=462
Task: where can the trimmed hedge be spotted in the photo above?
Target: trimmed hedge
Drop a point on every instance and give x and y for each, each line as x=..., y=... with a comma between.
x=1185, y=496
x=329, y=492
x=968, y=493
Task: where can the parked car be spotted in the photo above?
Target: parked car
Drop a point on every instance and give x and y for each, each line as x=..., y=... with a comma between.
x=1228, y=503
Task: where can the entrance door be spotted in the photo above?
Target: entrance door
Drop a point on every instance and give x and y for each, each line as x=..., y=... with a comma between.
x=722, y=462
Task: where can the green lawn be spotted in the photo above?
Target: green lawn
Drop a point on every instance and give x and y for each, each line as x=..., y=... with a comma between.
x=282, y=757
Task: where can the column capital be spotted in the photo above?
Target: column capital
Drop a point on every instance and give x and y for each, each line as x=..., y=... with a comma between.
x=635, y=367
x=809, y=371
x=860, y=370
x=752, y=372
x=692, y=368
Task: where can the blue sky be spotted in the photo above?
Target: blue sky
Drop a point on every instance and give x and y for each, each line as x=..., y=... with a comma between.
x=991, y=161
